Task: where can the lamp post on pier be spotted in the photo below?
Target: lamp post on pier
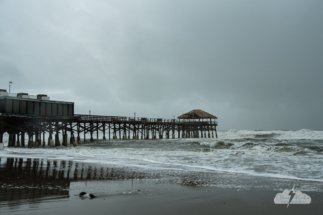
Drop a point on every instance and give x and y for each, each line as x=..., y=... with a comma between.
x=9, y=85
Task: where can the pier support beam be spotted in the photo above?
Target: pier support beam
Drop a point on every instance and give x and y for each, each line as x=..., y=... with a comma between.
x=14, y=143
x=97, y=130
x=65, y=139
x=39, y=139
x=119, y=133
x=84, y=131
x=10, y=140
x=114, y=133
x=78, y=134
x=63, y=143
x=134, y=134
x=50, y=139
x=91, y=131
x=1, y=140
x=73, y=138
x=44, y=139
x=30, y=140
x=1, y=137
x=22, y=139
x=57, y=142
x=103, y=127
x=64, y=133
x=18, y=142
x=109, y=130
x=36, y=139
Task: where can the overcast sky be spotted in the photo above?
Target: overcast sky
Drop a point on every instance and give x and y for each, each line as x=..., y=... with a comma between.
x=253, y=64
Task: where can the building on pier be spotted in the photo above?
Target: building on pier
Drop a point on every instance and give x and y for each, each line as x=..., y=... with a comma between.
x=200, y=115
x=29, y=105
x=197, y=114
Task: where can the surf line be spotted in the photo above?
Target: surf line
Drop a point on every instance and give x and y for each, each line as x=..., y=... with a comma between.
x=239, y=172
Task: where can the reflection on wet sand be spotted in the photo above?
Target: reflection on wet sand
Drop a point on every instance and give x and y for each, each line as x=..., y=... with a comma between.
x=32, y=180
x=28, y=180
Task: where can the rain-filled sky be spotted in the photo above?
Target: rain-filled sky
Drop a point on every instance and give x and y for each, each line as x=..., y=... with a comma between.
x=253, y=64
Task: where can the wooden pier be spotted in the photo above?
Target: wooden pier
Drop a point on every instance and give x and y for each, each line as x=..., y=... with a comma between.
x=42, y=121
x=108, y=127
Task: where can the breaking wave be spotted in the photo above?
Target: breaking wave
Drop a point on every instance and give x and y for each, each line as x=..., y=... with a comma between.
x=299, y=134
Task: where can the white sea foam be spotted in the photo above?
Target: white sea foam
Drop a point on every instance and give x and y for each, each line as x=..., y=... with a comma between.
x=299, y=134
x=279, y=154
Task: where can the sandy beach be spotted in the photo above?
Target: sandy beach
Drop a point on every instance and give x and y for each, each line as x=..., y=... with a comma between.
x=154, y=199
x=34, y=186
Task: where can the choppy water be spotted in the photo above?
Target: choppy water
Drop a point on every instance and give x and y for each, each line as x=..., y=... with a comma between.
x=296, y=155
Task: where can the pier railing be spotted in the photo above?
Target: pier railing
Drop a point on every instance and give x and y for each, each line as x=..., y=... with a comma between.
x=98, y=118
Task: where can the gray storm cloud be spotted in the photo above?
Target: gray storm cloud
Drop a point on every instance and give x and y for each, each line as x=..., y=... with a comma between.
x=254, y=64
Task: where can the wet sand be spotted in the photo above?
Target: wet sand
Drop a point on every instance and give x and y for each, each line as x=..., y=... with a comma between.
x=160, y=199
x=32, y=187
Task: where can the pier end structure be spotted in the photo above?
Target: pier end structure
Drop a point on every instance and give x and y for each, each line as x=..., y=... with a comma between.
x=201, y=116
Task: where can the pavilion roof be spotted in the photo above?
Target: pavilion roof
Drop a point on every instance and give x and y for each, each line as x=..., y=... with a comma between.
x=197, y=114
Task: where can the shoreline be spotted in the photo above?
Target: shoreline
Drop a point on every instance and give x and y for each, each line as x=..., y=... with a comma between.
x=149, y=197
x=37, y=184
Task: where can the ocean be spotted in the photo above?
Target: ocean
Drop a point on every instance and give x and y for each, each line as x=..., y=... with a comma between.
x=241, y=159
